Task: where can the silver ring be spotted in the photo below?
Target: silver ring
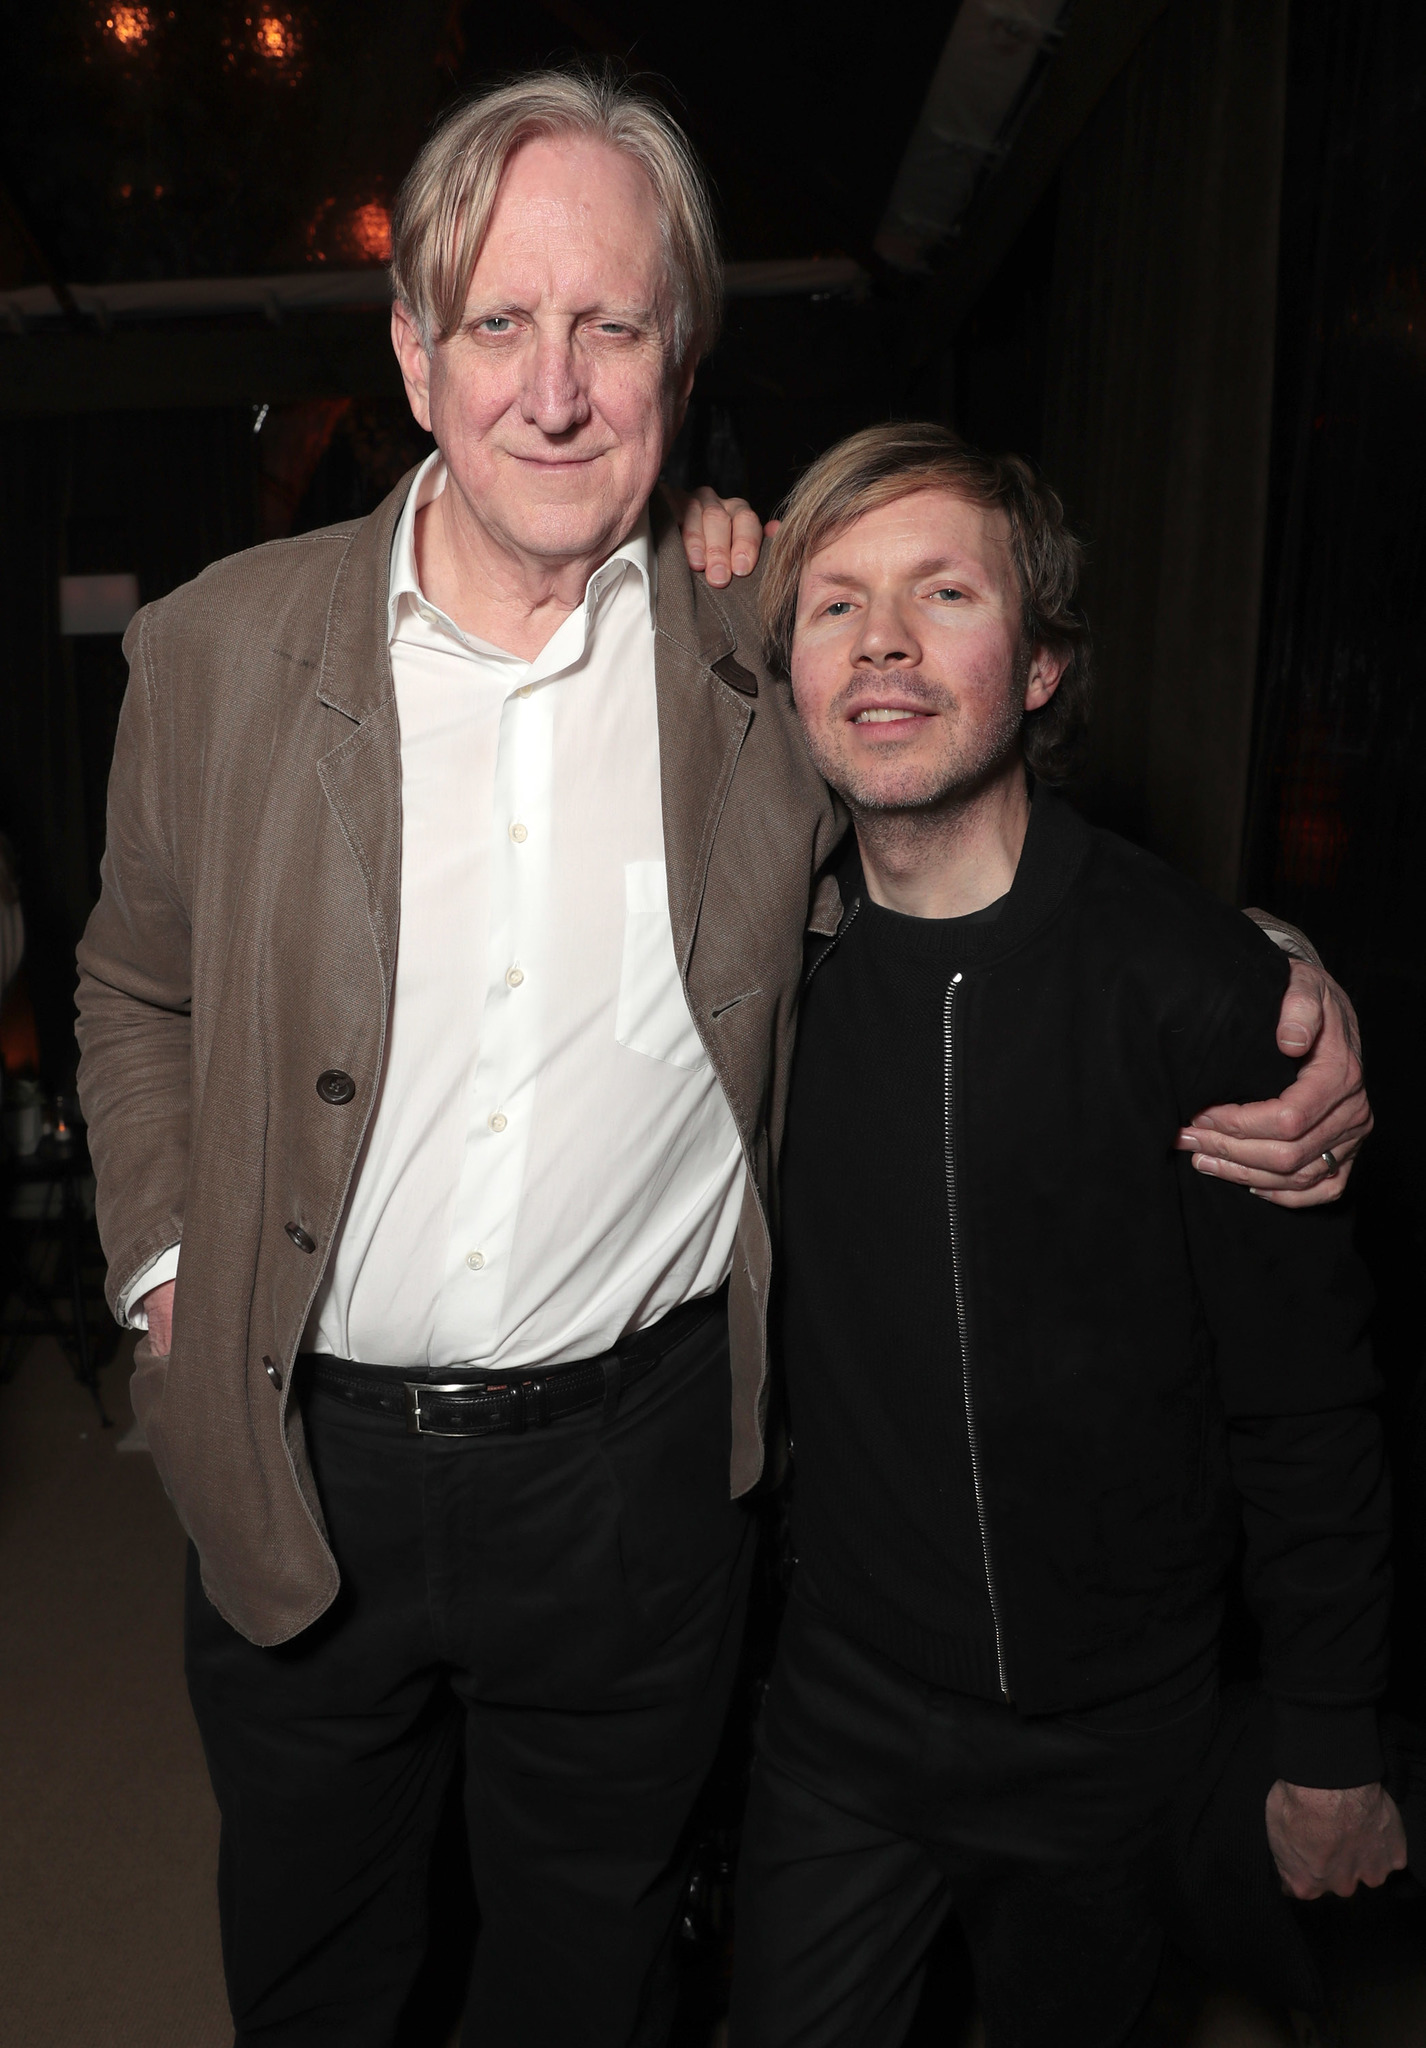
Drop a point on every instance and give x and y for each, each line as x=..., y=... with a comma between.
x=1333, y=1165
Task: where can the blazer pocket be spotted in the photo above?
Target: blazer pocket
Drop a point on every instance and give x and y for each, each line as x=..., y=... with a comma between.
x=653, y=1015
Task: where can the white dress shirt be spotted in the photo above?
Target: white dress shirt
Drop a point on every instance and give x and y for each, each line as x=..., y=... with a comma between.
x=551, y=1162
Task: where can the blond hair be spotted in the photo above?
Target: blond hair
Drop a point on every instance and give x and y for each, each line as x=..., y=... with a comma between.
x=881, y=464
x=443, y=209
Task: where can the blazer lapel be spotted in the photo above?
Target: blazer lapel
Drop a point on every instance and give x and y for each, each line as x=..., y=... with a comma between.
x=361, y=775
x=703, y=720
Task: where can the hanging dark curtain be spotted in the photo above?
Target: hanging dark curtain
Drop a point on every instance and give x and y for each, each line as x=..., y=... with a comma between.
x=1337, y=826
x=1158, y=415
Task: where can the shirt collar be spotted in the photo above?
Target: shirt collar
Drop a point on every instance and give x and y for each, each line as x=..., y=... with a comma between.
x=637, y=552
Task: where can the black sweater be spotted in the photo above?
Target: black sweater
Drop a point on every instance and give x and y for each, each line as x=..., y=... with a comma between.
x=886, y=1514
x=1151, y=1358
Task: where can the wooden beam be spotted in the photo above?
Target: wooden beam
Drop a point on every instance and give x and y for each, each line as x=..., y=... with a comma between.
x=17, y=223
x=153, y=368
x=1101, y=37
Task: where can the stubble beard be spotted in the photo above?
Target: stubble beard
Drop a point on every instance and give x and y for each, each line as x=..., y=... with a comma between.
x=895, y=811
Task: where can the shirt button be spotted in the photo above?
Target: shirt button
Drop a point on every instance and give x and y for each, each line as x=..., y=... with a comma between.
x=524, y=689
x=475, y=1260
x=515, y=976
x=519, y=833
x=497, y=1122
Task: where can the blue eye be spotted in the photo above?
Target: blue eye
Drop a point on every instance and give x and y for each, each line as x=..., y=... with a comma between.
x=948, y=592
x=496, y=322
x=839, y=608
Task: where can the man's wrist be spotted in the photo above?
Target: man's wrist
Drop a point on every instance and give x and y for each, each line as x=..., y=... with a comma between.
x=1326, y=1748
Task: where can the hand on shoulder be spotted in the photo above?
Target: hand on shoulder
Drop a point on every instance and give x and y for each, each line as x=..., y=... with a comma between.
x=722, y=537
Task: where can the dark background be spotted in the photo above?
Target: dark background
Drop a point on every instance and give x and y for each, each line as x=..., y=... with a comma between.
x=1192, y=290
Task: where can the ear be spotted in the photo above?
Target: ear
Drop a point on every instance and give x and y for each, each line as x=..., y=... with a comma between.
x=1043, y=680
x=415, y=361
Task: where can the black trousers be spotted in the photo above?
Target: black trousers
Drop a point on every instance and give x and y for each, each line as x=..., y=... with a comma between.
x=880, y=1804
x=566, y=1606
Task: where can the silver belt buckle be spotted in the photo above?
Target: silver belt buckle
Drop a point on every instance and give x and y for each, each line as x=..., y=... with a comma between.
x=414, y=1389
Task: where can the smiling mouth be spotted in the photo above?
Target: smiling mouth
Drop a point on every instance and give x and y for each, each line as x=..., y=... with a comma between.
x=885, y=715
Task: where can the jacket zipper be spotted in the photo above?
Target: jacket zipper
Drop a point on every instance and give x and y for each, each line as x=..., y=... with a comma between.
x=953, y=1212
x=832, y=944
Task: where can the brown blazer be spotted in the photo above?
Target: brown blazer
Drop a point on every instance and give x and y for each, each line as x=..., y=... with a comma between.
x=244, y=942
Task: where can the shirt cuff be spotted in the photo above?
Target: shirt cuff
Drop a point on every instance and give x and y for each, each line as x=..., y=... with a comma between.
x=165, y=1267
x=1286, y=937
x=1328, y=1748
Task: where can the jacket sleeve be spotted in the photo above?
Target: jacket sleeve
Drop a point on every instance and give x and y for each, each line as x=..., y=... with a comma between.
x=1285, y=936
x=134, y=998
x=1287, y=1300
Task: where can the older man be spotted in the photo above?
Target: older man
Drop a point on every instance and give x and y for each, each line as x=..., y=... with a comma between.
x=439, y=1002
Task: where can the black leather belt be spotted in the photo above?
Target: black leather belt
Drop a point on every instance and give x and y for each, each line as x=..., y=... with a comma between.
x=438, y=1405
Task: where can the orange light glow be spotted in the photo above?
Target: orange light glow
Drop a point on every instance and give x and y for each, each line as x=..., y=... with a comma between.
x=275, y=37
x=19, y=1040
x=130, y=27
x=370, y=230
x=315, y=228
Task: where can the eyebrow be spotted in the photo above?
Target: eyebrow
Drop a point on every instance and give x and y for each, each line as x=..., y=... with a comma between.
x=931, y=565
x=635, y=316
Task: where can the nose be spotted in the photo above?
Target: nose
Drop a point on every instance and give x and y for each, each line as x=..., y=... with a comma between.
x=555, y=399
x=888, y=637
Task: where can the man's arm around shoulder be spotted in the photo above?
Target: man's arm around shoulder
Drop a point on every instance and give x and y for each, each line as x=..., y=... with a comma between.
x=1287, y=1301
x=1297, y=1148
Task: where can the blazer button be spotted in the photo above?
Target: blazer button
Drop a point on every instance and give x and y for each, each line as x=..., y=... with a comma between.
x=273, y=1372
x=335, y=1086
x=301, y=1238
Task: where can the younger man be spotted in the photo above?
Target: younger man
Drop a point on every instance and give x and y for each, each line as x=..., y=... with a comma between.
x=1034, y=1389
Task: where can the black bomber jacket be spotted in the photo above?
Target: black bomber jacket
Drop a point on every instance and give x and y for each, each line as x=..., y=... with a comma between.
x=1157, y=1363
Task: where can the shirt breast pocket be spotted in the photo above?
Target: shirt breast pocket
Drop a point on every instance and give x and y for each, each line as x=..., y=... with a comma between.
x=652, y=1016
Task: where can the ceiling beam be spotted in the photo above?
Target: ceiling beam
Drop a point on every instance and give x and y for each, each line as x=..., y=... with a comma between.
x=319, y=340
x=1099, y=39
x=23, y=236
x=152, y=368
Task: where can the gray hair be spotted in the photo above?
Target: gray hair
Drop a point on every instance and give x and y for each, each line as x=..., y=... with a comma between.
x=443, y=210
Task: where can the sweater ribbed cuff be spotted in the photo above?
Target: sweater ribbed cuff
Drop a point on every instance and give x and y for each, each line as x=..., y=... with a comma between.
x=1329, y=1748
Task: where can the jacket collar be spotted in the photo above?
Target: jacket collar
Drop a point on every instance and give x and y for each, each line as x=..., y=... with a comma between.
x=687, y=611
x=705, y=707
x=355, y=671
x=1057, y=841
x=432, y=478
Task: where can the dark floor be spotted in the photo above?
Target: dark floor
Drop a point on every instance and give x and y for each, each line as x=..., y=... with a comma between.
x=108, y=1844
x=108, y=1936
